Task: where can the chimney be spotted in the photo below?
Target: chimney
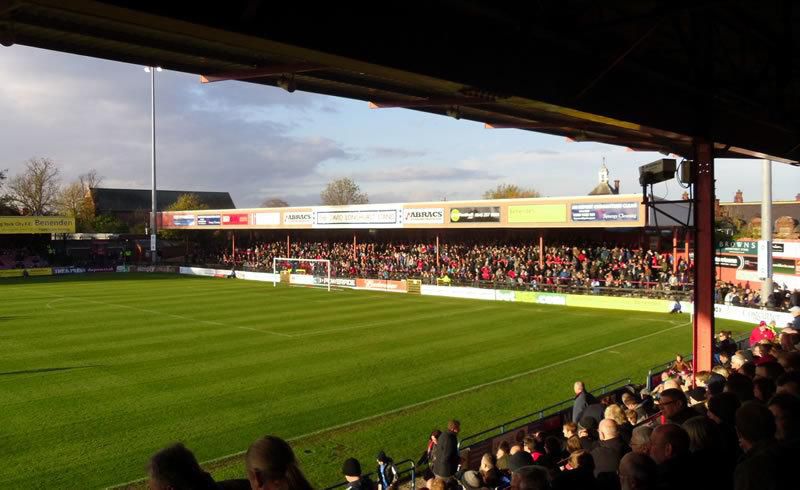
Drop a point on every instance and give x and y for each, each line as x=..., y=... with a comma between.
x=616, y=188
x=738, y=197
x=685, y=196
x=717, y=208
x=797, y=197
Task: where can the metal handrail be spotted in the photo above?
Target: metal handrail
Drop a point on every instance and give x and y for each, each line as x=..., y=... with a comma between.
x=660, y=368
x=412, y=470
x=514, y=424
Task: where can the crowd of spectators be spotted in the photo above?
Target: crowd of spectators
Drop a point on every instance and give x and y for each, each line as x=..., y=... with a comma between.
x=586, y=266
x=20, y=258
x=735, y=427
x=744, y=295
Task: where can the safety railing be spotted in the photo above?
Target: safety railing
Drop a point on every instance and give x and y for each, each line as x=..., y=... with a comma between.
x=408, y=474
x=654, y=373
x=515, y=424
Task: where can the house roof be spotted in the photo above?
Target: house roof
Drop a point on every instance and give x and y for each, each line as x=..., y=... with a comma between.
x=603, y=189
x=118, y=200
x=749, y=210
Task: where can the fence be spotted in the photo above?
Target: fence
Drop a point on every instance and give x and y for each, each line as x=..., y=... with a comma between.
x=409, y=473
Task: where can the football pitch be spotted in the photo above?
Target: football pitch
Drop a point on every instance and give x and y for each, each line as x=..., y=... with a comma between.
x=99, y=372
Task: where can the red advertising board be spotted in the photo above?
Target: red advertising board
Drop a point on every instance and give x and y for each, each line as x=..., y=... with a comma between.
x=236, y=219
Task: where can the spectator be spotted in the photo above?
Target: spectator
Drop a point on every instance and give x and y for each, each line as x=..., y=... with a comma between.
x=763, y=466
x=530, y=478
x=786, y=410
x=471, y=480
x=616, y=414
x=580, y=477
x=763, y=389
x=271, y=464
x=427, y=455
x=675, y=407
x=789, y=383
x=669, y=448
x=640, y=439
x=582, y=400
x=352, y=474
x=587, y=433
x=722, y=411
x=771, y=370
x=490, y=475
x=519, y=460
x=637, y=472
x=761, y=333
x=176, y=468
x=386, y=472
x=741, y=386
x=574, y=444
x=608, y=453
x=569, y=429
x=446, y=457
x=503, y=451
x=706, y=447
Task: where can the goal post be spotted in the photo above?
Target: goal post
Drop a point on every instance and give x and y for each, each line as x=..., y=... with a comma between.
x=315, y=264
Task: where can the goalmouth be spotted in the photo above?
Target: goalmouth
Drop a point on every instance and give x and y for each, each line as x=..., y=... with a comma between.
x=320, y=270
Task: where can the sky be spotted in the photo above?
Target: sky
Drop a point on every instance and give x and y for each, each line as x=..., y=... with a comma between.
x=260, y=142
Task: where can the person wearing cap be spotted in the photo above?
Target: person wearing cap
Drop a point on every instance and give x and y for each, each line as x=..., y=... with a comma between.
x=386, y=472
x=761, y=333
x=471, y=480
x=352, y=474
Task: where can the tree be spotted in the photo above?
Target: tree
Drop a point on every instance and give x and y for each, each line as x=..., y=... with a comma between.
x=274, y=202
x=509, y=191
x=185, y=202
x=108, y=224
x=35, y=191
x=343, y=191
x=5, y=200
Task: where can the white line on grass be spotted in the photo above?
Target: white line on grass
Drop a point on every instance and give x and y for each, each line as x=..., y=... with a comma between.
x=442, y=397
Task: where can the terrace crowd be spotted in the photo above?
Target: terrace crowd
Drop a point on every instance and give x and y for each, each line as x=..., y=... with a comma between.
x=736, y=427
x=574, y=265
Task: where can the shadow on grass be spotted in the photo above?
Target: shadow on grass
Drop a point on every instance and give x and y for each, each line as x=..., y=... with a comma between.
x=47, y=370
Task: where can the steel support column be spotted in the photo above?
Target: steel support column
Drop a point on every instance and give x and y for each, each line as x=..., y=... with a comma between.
x=674, y=249
x=703, y=320
x=355, y=253
x=437, y=253
x=541, y=251
x=288, y=247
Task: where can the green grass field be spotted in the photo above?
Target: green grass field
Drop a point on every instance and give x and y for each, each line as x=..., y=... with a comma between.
x=98, y=372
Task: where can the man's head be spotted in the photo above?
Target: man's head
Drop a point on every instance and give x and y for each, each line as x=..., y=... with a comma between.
x=795, y=310
x=640, y=439
x=454, y=426
x=669, y=441
x=770, y=370
x=737, y=361
x=741, y=386
x=608, y=429
x=519, y=459
x=175, y=467
x=569, y=429
x=786, y=410
x=789, y=383
x=578, y=387
x=637, y=472
x=724, y=358
x=530, y=478
x=754, y=423
x=722, y=408
x=351, y=469
x=529, y=444
x=672, y=402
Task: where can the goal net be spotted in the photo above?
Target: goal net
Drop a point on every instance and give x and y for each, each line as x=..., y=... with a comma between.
x=308, y=272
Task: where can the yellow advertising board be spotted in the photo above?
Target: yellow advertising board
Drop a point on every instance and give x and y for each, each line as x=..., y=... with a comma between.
x=538, y=213
x=34, y=271
x=11, y=272
x=36, y=224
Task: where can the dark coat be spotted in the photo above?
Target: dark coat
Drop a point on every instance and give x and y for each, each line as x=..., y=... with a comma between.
x=445, y=455
x=608, y=454
x=582, y=400
x=764, y=467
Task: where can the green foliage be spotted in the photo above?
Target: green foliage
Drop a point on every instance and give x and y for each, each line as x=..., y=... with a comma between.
x=108, y=224
x=510, y=191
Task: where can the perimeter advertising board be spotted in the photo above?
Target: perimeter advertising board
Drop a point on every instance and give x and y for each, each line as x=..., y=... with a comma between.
x=373, y=217
x=423, y=216
x=607, y=211
x=538, y=213
x=477, y=214
x=36, y=224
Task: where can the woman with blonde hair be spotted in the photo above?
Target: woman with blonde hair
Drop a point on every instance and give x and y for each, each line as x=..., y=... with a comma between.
x=615, y=413
x=489, y=472
x=271, y=465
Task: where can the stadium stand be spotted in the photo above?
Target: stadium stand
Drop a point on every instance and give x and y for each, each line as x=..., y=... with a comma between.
x=709, y=430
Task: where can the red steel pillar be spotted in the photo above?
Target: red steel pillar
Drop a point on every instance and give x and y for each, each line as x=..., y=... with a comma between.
x=233, y=247
x=288, y=247
x=674, y=249
x=703, y=324
x=355, y=253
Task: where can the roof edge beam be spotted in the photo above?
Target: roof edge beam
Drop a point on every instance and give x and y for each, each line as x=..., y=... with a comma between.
x=266, y=71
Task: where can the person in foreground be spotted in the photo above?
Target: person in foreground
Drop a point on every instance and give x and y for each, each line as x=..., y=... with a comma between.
x=176, y=468
x=271, y=465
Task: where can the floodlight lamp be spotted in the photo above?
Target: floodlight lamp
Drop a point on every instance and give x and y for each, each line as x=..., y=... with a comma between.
x=287, y=83
x=7, y=38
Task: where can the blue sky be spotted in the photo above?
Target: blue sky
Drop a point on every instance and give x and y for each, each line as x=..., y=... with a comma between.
x=258, y=142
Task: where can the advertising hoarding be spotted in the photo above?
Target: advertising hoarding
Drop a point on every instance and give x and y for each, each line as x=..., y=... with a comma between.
x=36, y=224
x=358, y=218
x=608, y=211
x=209, y=220
x=268, y=219
x=183, y=219
x=236, y=219
x=298, y=217
x=538, y=213
x=423, y=216
x=478, y=214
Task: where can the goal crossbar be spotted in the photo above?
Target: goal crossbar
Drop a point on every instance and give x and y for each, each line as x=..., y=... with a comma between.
x=295, y=259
